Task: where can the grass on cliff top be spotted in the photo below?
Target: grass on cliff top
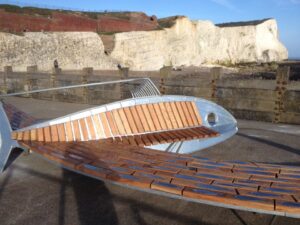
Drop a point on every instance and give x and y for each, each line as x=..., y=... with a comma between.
x=48, y=12
x=243, y=23
x=168, y=21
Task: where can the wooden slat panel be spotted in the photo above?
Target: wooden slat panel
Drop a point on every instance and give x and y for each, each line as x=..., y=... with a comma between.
x=197, y=113
x=54, y=134
x=105, y=125
x=26, y=136
x=166, y=115
x=98, y=126
x=131, y=121
x=176, y=115
x=137, y=119
x=69, y=132
x=33, y=135
x=61, y=132
x=187, y=114
x=112, y=123
x=154, y=117
x=160, y=116
x=20, y=136
x=84, y=131
x=119, y=122
x=90, y=127
x=182, y=115
x=192, y=113
x=40, y=134
x=76, y=129
x=47, y=134
x=125, y=121
x=143, y=113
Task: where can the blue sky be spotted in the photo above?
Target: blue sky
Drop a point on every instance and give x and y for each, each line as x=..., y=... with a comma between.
x=286, y=12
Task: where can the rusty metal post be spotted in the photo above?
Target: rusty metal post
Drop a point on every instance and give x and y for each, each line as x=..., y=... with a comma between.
x=282, y=79
x=87, y=71
x=124, y=74
x=215, y=74
x=164, y=74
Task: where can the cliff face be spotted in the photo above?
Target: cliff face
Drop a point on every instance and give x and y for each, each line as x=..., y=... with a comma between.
x=73, y=50
x=185, y=43
x=194, y=43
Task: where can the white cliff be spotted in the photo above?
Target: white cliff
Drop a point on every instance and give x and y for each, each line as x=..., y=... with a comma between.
x=185, y=43
x=73, y=50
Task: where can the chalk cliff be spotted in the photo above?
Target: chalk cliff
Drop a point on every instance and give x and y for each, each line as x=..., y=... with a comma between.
x=185, y=43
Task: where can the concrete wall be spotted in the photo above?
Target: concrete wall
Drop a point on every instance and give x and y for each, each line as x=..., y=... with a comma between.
x=254, y=99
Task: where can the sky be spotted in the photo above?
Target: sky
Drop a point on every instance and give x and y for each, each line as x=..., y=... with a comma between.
x=286, y=12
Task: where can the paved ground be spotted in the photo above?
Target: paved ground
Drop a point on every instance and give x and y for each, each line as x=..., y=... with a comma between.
x=33, y=191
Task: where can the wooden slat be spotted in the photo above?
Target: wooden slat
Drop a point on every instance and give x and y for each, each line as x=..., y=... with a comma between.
x=26, y=136
x=131, y=121
x=33, y=135
x=54, y=133
x=160, y=116
x=192, y=113
x=47, y=134
x=40, y=134
x=182, y=115
x=125, y=121
x=76, y=128
x=166, y=115
x=69, y=132
x=143, y=113
x=90, y=127
x=105, y=125
x=176, y=115
x=61, y=132
x=119, y=122
x=137, y=119
x=98, y=126
x=195, y=108
x=154, y=117
x=84, y=130
x=112, y=123
x=187, y=114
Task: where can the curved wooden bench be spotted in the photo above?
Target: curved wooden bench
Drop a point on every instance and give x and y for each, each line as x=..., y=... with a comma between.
x=159, y=123
x=256, y=187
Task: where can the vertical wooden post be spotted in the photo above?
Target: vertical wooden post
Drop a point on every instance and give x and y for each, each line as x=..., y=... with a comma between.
x=28, y=83
x=87, y=71
x=7, y=70
x=215, y=74
x=164, y=74
x=282, y=79
x=124, y=74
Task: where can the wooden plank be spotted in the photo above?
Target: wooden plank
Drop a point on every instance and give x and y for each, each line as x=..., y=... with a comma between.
x=112, y=123
x=125, y=121
x=146, y=117
x=154, y=117
x=69, y=132
x=187, y=114
x=33, y=135
x=40, y=134
x=176, y=115
x=90, y=127
x=119, y=122
x=76, y=128
x=20, y=136
x=171, y=115
x=181, y=113
x=166, y=115
x=26, y=136
x=84, y=130
x=105, y=125
x=160, y=116
x=137, y=119
x=54, y=133
x=195, y=108
x=192, y=113
x=98, y=127
x=61, y=132
x=47, y=134
x=131, y=121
